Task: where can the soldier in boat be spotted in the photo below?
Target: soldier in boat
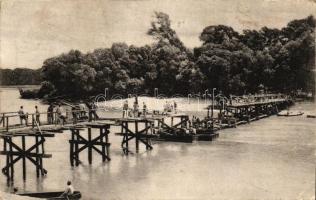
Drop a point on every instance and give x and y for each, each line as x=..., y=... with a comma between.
x=69, y=190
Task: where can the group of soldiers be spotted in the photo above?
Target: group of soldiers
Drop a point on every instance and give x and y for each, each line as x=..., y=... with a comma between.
x=134, y=112
x=57, y=114
x=59, y=117
x=79, y=112
x=169, y=107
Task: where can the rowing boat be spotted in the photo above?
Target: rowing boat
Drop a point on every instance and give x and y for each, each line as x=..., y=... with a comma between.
x=53, y=195
x=290, y=114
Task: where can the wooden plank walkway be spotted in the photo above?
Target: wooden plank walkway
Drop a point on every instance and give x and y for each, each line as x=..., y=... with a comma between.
x=248, y=104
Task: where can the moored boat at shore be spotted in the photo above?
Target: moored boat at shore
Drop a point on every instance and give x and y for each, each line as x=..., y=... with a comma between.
x=28, y=93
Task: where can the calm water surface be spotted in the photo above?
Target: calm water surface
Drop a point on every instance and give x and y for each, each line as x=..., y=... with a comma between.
x=273, y=158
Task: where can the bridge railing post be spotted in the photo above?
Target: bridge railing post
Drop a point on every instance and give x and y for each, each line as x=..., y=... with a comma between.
x=32, y=120
x=55, y=118
x=7, y=127
x=3, y=119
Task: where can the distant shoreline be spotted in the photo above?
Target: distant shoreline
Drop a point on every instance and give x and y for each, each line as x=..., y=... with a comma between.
x=21, y=86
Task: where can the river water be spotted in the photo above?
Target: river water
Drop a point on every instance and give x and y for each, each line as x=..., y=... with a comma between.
x=273, y=158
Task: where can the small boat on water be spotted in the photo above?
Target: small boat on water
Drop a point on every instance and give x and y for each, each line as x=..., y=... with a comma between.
x=175, y=138
x=206, y=137
x=28, y=93
x=53, y=195
x=175, y=135
x=311, y=116
x=290, y=113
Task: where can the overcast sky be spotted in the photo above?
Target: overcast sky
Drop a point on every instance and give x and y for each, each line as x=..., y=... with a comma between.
x=33, y=30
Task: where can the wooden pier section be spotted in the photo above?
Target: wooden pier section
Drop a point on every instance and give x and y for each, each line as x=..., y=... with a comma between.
x=143, y=135
x=15, y=151
x=183, y=123
x=175, y=132
x=78, y=142
x=250, y=111
x=241, y=109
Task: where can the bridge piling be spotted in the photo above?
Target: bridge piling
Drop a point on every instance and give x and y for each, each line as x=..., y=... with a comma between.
x=15, y=151
x=78, y=143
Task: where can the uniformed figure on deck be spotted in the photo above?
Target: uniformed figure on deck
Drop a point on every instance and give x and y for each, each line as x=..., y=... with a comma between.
x=144, y=109
x=37, y=116
x=74, y=111
x=165, y=107
x=60, y=118
x=22, y=116
x=92, y=111
x=125, y=109
x=175, y=106
x=50, y=114
x=135, y=108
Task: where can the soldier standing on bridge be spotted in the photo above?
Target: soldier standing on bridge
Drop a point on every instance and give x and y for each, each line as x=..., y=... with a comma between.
x=60, y=117
x=144, y=109
x=37, y=116
x=136, y=108
x=22, y=116
x=175, y=106
x=50, y=114
x=92, y=108
x=125, y=109
x=94, y=111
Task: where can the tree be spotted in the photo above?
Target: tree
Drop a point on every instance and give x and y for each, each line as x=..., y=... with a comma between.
x=218, y=34
x=68, y=75
x=20, y=76
x=161, y=30
x=46, y=89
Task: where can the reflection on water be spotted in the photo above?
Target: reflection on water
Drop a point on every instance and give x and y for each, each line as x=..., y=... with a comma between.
x=273, y=158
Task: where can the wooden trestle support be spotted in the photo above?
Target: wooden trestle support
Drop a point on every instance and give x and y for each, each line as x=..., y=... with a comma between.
x=15, y=151
x=78, y=143
x=140, y=135
x=183, y=123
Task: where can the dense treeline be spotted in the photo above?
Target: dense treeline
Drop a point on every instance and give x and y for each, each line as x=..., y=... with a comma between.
x=20, y=76
x=279, y=60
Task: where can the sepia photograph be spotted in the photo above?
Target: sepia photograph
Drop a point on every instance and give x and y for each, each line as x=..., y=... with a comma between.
x=157, y=99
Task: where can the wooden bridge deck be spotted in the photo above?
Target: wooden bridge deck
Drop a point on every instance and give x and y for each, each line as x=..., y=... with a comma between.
x=44, y=126
x=248, y=104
